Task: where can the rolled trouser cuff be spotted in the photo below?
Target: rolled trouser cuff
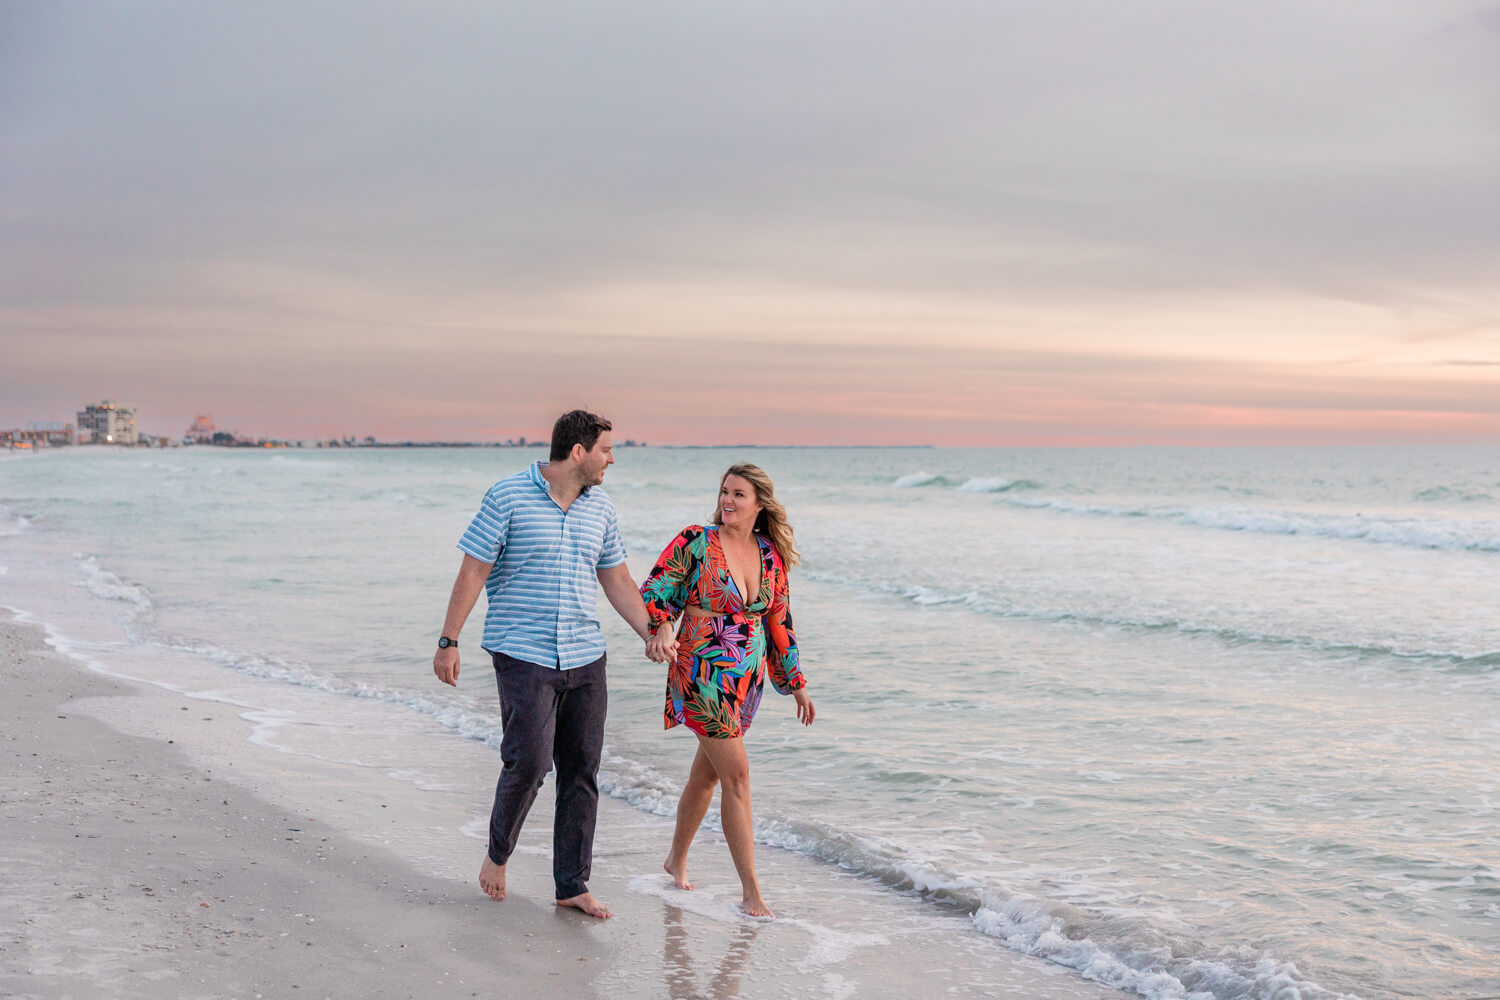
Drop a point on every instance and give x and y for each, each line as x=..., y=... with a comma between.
x=571, y=889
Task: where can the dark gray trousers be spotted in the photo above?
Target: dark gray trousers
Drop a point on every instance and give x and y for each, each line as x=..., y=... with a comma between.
x=550, y=717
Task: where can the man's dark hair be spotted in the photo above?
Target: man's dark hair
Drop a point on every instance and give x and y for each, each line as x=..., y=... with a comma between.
x=576, y=427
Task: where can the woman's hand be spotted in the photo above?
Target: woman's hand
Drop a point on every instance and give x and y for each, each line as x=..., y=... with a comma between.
x=662, y=646
x=805, y=710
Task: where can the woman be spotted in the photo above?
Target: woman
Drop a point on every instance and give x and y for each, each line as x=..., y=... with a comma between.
x=729, y=579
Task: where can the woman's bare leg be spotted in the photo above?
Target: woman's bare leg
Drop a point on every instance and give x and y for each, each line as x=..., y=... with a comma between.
x=733, y=768
x=697, y=794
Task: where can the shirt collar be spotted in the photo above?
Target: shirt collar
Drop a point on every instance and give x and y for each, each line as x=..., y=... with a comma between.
x=541, y=483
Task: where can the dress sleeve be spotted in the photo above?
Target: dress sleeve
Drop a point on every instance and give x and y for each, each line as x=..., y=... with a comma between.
x=785, y=668
x=669, y=584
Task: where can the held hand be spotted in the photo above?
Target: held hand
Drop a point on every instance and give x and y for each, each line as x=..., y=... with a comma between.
x=666, y=636
x=662, y=646
x=445, y=665
x=805, y=710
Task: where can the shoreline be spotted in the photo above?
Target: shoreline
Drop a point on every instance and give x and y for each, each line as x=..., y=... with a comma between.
x=141, y=804
x=132, y=872
x=1090, y=802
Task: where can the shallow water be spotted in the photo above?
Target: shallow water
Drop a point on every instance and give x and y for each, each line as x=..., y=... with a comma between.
x=1207, y=723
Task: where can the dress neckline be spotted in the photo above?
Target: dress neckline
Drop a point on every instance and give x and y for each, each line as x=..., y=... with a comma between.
x=760, y=574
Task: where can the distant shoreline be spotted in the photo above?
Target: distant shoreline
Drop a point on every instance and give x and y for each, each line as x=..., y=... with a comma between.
x=662, y=447
x=542, y=444
x=292, y=446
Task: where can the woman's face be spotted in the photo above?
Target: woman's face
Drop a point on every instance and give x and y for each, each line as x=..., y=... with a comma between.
x=737, y=503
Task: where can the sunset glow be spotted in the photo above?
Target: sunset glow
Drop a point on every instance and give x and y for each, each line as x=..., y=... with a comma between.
x=1024, y=230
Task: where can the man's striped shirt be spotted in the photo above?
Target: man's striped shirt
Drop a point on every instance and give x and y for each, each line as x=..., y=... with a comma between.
x=542, y=588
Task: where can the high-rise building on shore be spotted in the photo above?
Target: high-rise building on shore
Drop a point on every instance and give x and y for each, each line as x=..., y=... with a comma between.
x=107, y=423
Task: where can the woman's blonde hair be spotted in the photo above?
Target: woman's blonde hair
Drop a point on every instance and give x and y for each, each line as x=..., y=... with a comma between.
x=771, y=521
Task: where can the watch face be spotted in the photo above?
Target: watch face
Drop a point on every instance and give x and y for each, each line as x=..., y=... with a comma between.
x=444, y=642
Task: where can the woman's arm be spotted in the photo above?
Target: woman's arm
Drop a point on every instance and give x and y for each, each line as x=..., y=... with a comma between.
x=667, y=588
x=785, y=663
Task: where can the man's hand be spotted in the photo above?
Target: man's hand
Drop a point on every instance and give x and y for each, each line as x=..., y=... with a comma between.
x=445, y=665
x=625, y=597
x=662, y=646
x=466, y=588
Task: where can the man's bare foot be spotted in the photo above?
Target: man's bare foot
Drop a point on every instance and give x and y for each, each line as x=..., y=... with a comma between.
x=588, y=904
x=756, y=907
x=492, y=879
x=678, y=873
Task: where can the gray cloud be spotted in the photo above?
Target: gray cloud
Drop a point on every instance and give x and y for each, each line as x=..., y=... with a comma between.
x=153, y=153
x=1153, y=145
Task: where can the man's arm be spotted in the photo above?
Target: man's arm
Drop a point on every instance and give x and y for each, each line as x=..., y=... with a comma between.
x=625, y=598
x=471, y=577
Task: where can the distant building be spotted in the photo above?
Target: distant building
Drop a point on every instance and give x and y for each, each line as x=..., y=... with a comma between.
x=107, y=423
x=48, y=435
x=202, y=431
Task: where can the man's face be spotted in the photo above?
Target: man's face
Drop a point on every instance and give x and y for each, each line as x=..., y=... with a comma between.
x=597, y=459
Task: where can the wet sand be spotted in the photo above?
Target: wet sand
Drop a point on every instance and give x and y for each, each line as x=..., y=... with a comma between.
x=152, y=847
x=130, y=872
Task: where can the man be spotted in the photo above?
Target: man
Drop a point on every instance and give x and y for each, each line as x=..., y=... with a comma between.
x=538, y=543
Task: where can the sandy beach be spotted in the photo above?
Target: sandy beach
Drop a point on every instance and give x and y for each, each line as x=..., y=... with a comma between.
x=157, y=856
x=131, y=872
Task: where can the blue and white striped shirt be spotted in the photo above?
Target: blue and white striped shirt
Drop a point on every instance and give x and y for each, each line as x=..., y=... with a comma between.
x=542, y=588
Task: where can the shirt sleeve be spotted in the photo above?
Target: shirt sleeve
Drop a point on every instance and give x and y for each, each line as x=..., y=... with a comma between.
x=485, y=537
x=668, y=585
x=612, y=553
x=784, y=664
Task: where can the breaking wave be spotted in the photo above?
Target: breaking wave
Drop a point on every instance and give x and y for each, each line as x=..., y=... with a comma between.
x=1422, y=533
x=980, y=604
x=917, y=479
x=13, y=524
x=974, y=484
x=982, y=485
x=102, y=583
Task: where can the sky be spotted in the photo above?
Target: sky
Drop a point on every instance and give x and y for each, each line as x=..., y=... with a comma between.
x=1084, y=222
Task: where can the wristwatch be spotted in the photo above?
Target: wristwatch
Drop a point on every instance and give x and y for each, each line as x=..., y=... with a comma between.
x=445, y=642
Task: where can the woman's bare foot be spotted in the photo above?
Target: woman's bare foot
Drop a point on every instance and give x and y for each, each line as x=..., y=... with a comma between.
x=588, y=904
x=678, y=873
x=756, y=907
x=492, y=879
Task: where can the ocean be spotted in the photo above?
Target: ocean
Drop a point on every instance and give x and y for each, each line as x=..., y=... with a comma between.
x=1196, y=723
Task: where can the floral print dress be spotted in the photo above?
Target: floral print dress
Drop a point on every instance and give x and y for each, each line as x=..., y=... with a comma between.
x=714, y=685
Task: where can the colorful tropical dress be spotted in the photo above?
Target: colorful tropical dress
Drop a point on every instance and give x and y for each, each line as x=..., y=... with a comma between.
x=714, y=686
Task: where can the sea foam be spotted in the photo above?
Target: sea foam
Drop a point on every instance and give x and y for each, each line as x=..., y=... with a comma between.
x=1476, y=535
x=1125, y=955
x=974, y=484
x=1155, y=968
x=102, y=583
x=977, y=603
x=1053, y=930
